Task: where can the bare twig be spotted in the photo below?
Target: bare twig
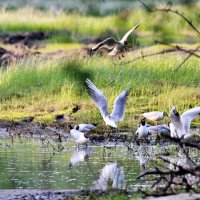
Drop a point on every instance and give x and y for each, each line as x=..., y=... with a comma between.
x=179, y=48
x=149, y=55
x=177, y=68
x=169, y=9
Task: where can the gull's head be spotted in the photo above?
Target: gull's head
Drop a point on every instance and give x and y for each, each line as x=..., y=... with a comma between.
x=143, y=121
x=77, y=127
x=174, y=111
x=90, y=52
x=125, y=43
x=70, y=127
x=165, y=114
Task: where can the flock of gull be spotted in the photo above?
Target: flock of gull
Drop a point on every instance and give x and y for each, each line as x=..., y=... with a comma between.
x=179, y=126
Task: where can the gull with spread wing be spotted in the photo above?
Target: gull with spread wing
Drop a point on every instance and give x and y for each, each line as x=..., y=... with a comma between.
x=113, y=45
x=180, y=125
x=101, y=102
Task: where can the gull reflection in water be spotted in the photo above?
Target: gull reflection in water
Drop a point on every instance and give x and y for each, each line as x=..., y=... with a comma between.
x=111, y=176
x=80, y=156
x=143, y=158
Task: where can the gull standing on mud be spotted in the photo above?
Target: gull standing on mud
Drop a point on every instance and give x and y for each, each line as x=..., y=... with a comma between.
x=180, y=125
x=142, y=131
x=79, y=137
x=162, y=129
x=101, y=102
x=114, y=45
x=154, y=115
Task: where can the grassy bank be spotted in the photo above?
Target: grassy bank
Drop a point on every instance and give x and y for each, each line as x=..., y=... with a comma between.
x=46, y=88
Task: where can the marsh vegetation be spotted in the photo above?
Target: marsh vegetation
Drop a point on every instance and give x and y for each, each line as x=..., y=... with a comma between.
x=45, y=59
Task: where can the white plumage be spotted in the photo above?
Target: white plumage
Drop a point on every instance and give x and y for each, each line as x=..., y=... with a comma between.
x=114, y=45
x=78, y=136
x=101, y=102
x=154, y=115
x=142, y=131
x=180, y=125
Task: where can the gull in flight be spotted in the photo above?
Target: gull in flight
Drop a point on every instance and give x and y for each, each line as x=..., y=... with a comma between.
x=154, y=115
x=180, y=125
x=101, y=102
x=114, y=45
x=85, y=128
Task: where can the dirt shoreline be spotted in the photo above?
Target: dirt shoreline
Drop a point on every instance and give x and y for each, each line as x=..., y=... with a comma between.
x=71, y=194
x=68, y=194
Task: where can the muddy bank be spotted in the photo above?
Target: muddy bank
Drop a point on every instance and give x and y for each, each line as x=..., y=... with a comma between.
x=28, y=194
x=26, y=38
x=188, y=196
x=20, y=194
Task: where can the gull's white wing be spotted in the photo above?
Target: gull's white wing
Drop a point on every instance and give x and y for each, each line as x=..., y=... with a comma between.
x=188, y=116
x=161, y=129
x=108, y=43
x=128, y=33
x=176, y=126
x=98, y=97
x=114, y=51
x=119, y=106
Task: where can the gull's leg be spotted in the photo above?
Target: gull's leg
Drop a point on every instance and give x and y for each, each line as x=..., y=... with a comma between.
x=124, y=51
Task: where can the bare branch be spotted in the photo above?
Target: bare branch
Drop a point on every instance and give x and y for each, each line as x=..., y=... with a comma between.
x=168, y=9
x=179, y=48
x=178, y=67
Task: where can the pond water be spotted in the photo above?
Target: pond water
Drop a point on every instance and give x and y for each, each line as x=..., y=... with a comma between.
x=28, y=163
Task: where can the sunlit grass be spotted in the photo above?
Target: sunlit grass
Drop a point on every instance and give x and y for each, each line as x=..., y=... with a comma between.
x=52, y=87
x=57, y=46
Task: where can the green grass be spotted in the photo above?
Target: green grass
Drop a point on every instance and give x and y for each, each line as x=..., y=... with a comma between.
x=74, y=26
x=50, y=87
